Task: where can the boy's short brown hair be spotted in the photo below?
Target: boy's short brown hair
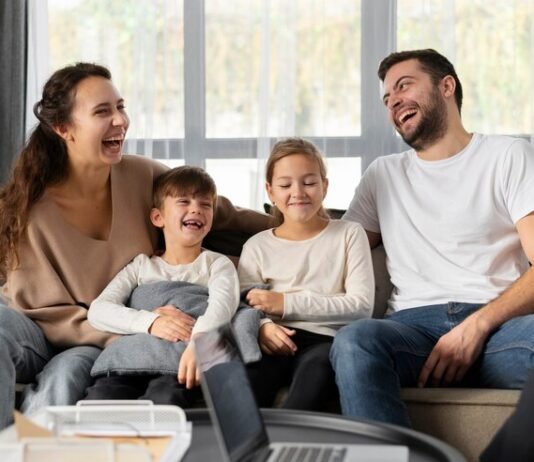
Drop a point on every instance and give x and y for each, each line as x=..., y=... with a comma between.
x=183, y=180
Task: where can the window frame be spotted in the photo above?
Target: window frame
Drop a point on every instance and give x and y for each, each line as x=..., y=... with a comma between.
x=377, y=135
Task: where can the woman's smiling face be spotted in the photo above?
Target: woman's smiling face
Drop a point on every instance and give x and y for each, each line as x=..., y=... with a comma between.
x=98, y=123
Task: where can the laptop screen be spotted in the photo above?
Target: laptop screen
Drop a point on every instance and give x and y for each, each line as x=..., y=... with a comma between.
x=227, y=391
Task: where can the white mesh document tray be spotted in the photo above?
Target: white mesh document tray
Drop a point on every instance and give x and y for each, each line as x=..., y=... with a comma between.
x=138, y=419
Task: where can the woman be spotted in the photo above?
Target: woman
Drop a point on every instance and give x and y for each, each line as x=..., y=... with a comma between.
x=72, y=214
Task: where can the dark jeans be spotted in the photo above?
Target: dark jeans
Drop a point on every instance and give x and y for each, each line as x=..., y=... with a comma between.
x=374, y=358
x=308, y=374
x=160, y=389
x=55, y=377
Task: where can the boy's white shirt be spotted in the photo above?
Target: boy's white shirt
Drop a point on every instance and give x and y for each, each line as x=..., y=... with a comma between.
x=108, y=311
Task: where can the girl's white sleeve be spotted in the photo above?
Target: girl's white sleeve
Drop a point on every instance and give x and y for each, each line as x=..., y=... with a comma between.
x=223, y=299
x=249, y=271
x=358, y=299
x=108, y=311
x=249, y=268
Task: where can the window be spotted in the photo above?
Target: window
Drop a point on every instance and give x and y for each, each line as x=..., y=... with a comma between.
x=491, y=45
x=215, y=82
x=142, y=44
x=282, y=68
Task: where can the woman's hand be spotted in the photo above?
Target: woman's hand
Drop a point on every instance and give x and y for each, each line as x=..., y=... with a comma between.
x=188, y=373
x=172, y=324
x=269, y=302
x=275, y=339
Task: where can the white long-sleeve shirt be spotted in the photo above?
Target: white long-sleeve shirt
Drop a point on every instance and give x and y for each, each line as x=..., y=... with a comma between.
x=327, y=281
x=108, y=311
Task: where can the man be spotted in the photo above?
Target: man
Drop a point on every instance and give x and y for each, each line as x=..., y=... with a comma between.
x=456, y=217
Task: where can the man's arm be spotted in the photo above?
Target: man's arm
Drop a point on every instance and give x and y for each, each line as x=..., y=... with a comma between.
x=375, y=239
x=457, y=350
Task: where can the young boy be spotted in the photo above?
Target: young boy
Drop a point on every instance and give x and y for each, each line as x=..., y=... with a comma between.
x=184, y=200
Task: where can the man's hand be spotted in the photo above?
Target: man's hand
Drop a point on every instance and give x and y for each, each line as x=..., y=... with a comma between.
x=172, y=324
x=455, y=352
x=275, y=339
x=267, y=301
x=188, y=372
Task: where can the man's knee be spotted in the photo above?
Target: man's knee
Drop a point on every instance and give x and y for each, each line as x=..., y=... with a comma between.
x=354, y=337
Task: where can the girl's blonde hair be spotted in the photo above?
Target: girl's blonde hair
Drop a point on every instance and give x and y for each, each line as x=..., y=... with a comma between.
x=289, y=147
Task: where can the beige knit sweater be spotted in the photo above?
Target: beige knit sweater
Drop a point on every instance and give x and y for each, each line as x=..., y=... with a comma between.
x=62, y=271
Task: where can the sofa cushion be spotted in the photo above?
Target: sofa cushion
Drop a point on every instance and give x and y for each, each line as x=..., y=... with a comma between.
x=465, y=418
x=140, y=354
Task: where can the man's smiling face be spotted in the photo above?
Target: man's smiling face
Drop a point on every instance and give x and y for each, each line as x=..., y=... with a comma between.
x=415, y=105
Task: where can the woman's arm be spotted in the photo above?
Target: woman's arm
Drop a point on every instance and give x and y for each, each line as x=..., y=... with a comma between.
x=36, y=289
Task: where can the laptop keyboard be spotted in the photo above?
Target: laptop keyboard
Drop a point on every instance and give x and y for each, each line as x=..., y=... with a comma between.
x=311, y=454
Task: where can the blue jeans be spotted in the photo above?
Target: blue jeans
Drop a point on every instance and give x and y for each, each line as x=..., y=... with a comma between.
x=54, y=377
x=374, y=358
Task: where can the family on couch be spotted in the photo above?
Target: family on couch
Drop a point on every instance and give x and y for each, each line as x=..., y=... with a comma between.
x=455, y=214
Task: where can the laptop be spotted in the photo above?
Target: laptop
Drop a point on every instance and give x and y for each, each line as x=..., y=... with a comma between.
x=237, y=420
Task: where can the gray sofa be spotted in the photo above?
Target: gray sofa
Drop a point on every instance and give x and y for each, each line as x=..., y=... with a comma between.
x=462, y=417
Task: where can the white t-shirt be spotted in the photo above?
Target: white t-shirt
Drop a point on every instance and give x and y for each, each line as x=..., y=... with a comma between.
x=448, y=226
x=109, y=313
x=327, y=281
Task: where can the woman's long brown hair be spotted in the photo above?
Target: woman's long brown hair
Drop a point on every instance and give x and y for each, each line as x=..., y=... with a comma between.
x=43, y=160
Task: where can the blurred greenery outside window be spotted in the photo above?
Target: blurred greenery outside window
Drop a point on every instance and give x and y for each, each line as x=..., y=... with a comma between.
x=278, y=68
x=491, y=45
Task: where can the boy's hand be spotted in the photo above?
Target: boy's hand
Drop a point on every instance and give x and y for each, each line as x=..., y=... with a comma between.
x=188, y=372
x=172, y=324
x=267, y=301
x=275, y=339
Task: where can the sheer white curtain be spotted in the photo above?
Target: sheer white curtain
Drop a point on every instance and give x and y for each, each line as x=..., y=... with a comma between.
x=310, y=71
x=37, y=63
x=491, y=45
x=141, y=43
x=216, y=82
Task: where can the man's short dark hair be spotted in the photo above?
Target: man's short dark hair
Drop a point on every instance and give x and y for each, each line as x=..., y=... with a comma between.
x=431, y=62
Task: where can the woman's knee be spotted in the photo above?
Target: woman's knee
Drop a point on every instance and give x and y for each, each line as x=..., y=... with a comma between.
x=76, y=360
x=72, y=367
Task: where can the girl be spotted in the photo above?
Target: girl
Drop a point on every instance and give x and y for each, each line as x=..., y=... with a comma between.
x=321, y=278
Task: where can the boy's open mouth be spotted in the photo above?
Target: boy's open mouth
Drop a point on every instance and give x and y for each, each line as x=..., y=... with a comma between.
x=195, y=224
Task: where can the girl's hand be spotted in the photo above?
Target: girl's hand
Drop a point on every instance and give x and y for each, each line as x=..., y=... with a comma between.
x=267, y=301
x=172, y=324
x=188, y=372
x=275, y=339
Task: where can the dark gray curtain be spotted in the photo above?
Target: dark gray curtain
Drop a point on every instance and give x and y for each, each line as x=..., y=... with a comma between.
x=12, y=81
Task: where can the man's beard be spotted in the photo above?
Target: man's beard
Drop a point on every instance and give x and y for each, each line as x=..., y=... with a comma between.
x=432, y=126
